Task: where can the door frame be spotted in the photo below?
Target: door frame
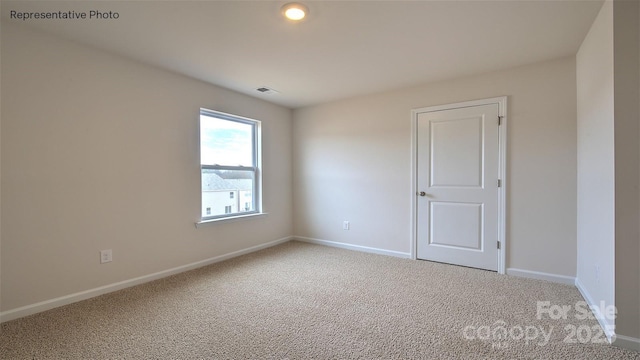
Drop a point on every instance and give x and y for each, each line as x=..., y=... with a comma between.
x=502, y=173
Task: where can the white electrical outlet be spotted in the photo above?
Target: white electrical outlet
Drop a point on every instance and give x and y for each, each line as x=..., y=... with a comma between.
x=106, y=256
x=345, y=225
x=597, y=273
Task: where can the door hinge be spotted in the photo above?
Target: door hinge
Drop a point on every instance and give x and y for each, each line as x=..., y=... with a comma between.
x=498, y=244
x=499, y=183
x=500, y=120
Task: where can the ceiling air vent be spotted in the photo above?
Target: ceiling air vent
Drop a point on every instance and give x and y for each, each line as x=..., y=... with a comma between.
x=266, y=90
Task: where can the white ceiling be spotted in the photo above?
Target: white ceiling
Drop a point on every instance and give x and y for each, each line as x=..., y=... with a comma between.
x=343, y=48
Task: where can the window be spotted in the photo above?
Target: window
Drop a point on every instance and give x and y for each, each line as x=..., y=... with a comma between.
x=229, y=165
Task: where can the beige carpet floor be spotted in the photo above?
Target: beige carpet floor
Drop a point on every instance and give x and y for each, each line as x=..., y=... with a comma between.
x=302, y=301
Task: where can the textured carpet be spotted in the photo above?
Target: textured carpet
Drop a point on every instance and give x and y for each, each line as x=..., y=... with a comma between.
x=302, y=301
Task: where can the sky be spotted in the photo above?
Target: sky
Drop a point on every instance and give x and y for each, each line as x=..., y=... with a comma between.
x=224, y=142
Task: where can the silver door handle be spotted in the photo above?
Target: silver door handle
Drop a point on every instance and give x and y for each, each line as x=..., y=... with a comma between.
x=422, y=193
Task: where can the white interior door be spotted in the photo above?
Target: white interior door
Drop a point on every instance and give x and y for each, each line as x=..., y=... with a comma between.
x=457, y=183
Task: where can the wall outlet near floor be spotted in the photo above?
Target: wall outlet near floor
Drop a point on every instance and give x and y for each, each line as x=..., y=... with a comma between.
x=345, y=225
x=106, y=256
x=597, y=268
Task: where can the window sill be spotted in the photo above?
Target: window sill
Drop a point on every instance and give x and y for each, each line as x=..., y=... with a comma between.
x=200, y=224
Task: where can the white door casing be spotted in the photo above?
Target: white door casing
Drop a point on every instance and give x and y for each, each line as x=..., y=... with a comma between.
x=457, y=200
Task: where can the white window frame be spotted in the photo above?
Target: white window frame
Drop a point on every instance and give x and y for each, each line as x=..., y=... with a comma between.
x=256, y=168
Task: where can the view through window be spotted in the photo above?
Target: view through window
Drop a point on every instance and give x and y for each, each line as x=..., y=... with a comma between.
x=229, y=163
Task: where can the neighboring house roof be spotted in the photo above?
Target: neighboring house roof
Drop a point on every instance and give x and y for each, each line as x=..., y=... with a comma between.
x=214, y=181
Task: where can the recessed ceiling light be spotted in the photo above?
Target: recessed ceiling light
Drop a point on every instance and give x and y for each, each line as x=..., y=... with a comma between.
x=294, y=11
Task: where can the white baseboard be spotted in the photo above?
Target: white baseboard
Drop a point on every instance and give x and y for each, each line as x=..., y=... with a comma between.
x=609, y=329
x=627, y=342
x=352, y=247
x=83, y=295
x=561, y=279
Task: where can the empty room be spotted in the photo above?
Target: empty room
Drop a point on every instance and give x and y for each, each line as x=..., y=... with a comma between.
x=320, y=179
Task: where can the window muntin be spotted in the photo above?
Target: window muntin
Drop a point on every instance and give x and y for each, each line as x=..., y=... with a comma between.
x=229, y=165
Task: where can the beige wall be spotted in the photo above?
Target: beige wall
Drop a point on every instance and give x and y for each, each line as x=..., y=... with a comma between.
x=99, y=152
x=596, y=180
x=352, y=162
x=608, y=165
x=627, y=167
x=0, y=182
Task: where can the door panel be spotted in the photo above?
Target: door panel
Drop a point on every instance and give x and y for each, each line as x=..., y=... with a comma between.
x=456, y=225
x=456, y=163
x=457, y=169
